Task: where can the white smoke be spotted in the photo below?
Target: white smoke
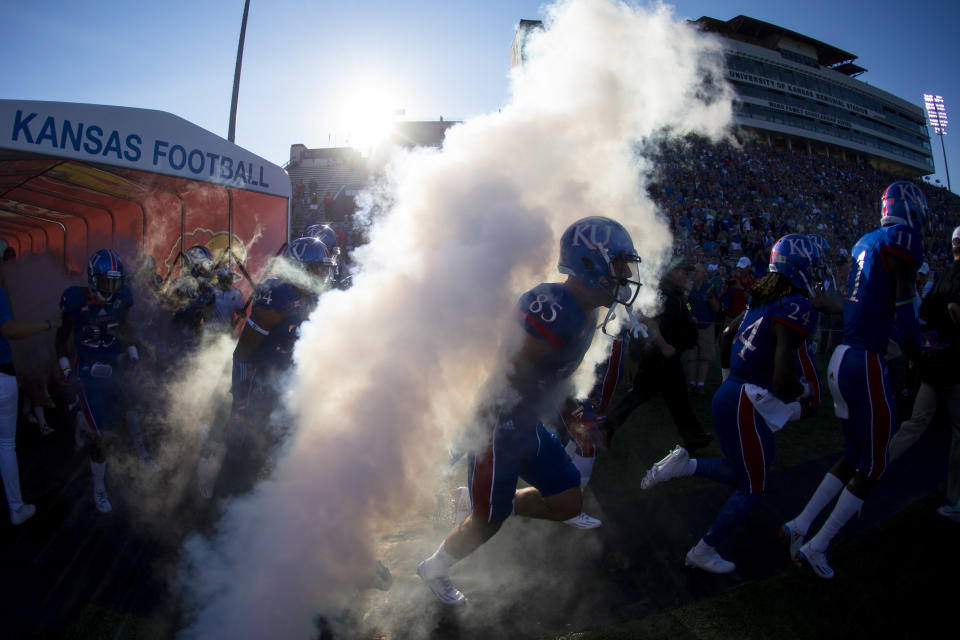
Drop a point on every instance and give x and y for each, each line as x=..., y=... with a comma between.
x=388, y=370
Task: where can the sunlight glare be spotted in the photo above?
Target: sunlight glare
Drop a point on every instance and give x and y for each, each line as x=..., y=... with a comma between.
x=366, y=115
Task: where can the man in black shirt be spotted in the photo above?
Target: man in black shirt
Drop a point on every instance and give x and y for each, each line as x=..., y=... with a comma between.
x=659, y=364
x=939, y=376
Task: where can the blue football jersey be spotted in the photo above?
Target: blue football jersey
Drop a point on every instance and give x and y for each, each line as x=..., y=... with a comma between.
x=751, y=359
x=276, y=350
x=868, y=310
x=549, y=312
x=96, y=324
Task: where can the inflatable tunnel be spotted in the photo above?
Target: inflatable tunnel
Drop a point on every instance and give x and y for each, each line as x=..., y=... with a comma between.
x=75, y=178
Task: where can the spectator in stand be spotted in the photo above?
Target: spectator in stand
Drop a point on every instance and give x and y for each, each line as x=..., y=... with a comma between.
x=328, y=206
x=738, y=287
x=11, y=329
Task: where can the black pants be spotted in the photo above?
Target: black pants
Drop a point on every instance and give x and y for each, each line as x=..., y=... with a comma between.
x=657, y=374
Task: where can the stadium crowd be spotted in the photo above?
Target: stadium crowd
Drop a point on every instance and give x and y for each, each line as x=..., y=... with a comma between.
x=729, y=209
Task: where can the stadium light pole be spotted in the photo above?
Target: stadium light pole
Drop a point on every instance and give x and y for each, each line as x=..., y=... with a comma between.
x=937, y=114
x=232, y=130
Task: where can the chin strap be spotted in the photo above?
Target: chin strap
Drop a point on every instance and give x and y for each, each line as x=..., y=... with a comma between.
x=610, y=316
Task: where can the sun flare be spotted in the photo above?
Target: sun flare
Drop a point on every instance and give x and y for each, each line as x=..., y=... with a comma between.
x=365, y=115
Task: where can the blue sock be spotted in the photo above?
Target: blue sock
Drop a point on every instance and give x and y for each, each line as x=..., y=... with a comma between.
x=717, y=469
x=734, y=510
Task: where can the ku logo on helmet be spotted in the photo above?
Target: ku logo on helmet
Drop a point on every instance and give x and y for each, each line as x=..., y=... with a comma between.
x=587, y=234
x=801, y=246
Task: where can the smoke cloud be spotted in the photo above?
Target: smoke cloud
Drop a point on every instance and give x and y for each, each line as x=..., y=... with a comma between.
x=389, y=370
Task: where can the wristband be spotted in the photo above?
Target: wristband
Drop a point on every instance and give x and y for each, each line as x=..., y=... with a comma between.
x=132, y=353
x=257, y=327
x=65, y=367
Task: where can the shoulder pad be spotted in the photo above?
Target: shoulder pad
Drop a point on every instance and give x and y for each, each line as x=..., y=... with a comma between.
x=275, y=294
x=550, y=312
x=73, y=298
x=798, y=313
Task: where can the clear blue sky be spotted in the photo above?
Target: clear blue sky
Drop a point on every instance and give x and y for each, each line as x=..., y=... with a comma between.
x=307, y=64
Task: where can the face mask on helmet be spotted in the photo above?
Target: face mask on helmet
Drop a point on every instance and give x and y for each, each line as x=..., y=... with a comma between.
x=106, y=286
x=312, y=256
x=105, y=274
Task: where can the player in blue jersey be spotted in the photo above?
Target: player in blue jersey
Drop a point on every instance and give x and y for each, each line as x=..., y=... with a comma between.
x=559, y=321
x=265, y=351
x=761, y=352
x=93, y=333
x=192, y=297
x=879, y=307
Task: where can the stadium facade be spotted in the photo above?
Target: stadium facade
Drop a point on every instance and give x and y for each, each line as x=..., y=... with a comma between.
x=339, y=173
x=796, y=91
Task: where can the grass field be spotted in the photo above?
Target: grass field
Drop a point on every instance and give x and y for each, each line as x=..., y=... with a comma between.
x=896, y=565
x=895, y=579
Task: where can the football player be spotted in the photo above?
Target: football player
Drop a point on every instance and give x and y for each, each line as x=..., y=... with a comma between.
x=228, y=304
x=761, y=352
x=95, y=328
x=879, y=308
x=192, y=296
x=559, y=320
x=265, y=350
x=325, y=234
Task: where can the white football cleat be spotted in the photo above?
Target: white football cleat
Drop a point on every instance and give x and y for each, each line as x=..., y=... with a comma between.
x=441, y=586
x=583, y=521
x=793, y=540
x=669, y=467
x=817, y=561
x=706, y=558
x=464, y=505
x=101, y=501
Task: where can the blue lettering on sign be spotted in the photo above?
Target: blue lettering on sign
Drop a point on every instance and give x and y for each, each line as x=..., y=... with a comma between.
x=76, y=135
x=95, y=140
x=132, y=154
x=213, y=161
x=22, y=125
x=157, y=154
x=196, y=153
x=94, y=144
x=48, y=132
x=181, y=153
x=113, y=145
